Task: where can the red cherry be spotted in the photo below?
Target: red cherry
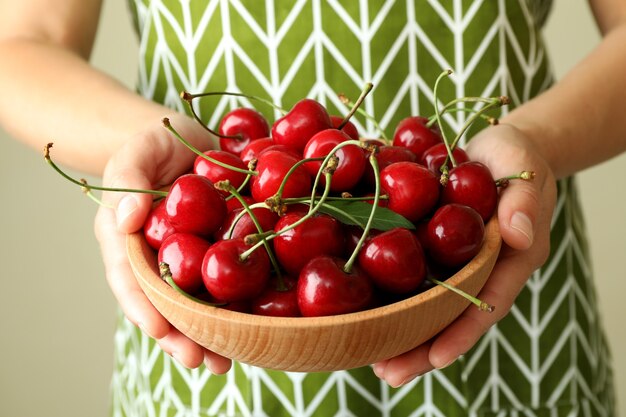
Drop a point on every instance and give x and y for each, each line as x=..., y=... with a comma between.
x=252, y=150
x=454, y=234
x=193, y=205
x=472, y=184
x=353, y=235
x=304, y=120
x=230, y=279
x=394, y=260
x=413, y=190
x=434, y=157
x=349, y=128
x=318, y=235
x=351, y=159
x=386, y=156
x=272, y=168
x=216, y=173
x=234, y=203
x=278, y=302
x=412, y=133
x=325, y=289
x=183, y=253
x=245, y=226
x=247, y=123
x=157, y=228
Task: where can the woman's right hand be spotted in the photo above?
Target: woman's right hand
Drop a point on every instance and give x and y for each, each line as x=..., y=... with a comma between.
x=151, y=160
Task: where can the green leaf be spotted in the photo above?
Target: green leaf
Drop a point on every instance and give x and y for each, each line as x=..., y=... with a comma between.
x=358, y=212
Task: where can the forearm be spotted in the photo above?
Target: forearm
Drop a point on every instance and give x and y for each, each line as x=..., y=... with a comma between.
x=52, y=94
x=581, y=121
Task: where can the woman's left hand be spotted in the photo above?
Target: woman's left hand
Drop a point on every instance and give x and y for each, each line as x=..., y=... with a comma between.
x=524, y=214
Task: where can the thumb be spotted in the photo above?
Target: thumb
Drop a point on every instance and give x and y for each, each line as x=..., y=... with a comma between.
x=131, y=208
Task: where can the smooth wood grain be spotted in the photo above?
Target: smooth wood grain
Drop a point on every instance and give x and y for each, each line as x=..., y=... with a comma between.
x=315, y=344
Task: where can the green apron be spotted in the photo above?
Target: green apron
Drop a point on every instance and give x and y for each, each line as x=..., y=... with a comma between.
x=548, y=357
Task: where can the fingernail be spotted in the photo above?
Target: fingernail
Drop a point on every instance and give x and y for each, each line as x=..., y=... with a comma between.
x=126, y=207
x=447, y=364
x=407, y=379
x=521, y=223
x=379, y=369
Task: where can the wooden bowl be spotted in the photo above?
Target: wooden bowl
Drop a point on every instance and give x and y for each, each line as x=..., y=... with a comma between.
x=321, y=343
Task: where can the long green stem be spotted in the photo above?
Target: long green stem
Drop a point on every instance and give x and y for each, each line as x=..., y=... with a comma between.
x=168, y=126
x=166, y=275
x=357, y=105
x=368, y=116
x=188, y=97
x=86, y=187
x=438, y=115
x=374, y=162
x=482, y=306
x=449, y=107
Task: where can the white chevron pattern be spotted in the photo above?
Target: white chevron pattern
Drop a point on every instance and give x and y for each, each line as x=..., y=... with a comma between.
x=547, y=358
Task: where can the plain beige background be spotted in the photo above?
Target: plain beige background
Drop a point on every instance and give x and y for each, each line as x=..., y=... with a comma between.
x=57, y=315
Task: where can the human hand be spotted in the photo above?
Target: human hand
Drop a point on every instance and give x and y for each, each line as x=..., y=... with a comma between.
x=151, y=160
x=524, y=215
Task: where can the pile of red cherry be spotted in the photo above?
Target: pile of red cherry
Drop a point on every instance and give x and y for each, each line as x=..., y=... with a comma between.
x=309, y=181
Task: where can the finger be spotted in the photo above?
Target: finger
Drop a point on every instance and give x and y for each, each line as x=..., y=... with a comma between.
x=184, y=350
x=406, y=367
x=506, y=281
x=133, y=302
x=216, y=363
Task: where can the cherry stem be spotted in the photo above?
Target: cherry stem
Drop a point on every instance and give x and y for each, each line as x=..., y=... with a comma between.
x=166, y=275
x=491, y=103
x=438, y=117
x=226, y=186
x=295, y=200
x=201, y=123
x=345, y=100
x=188, y=97
x=489, y=119
x=168, y=126
x=482, y=306
x=348, y=266
x=251, y=166
x=264, y=237
x=524, y=175
x=359, y=101
x=87, y=188
x=449, y=107
x=277, y=198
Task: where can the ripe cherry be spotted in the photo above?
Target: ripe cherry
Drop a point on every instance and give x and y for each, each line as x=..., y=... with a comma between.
x=272, y=167
x=247, y=123
x=193, y=205
x=349, y=128
x=412, y=189
x=325, y=289
x=472, y=184
x=303, y=121
x=434, y=157
x=215, y=172
x=245, y=226
x=157, y=227
x=229, y=278
x=183, y=253
x=394, y=260
x=351, y=159
x=454, y=235
x=278, y=302
x=318, y=235
x=386, y=156
x=413, y=133
x=252, y=150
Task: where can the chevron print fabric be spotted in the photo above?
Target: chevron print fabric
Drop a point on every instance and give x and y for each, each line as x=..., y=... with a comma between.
x=548, y=357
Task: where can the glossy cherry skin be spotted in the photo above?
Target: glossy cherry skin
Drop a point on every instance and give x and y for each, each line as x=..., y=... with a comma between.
x=252, y=150
x=413, y=190
x=157, y=227
x=299, y=125
x=386, y=156
x=394, y=260
x=245, y=226
x=434, y=157
x=215, y=172
x=412, y=133
x=351, y=159
x=472, y=184
x=230, y=279
x=454, y=235
x=194, y=205
x=277, y=302
x=272, y=167
x=183, y=253
x=324, y=289
x=234, y=203
x=248, y=123
x=318, y=235
x=349, y=128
